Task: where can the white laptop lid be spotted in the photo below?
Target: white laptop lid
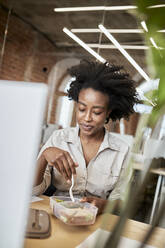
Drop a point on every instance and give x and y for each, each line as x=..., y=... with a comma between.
x=22, y=107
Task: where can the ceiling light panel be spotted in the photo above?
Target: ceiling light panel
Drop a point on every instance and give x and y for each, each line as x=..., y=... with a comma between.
x=121, y=49
x=95, y=8
x=85, y=46
x=110, y=46
x=97, y=30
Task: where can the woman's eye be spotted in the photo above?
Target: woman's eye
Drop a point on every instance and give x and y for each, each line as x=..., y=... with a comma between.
x=81, y=110
x=97, y=113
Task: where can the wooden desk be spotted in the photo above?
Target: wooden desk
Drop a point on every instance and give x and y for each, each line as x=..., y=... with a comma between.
x=140, y=166
x=68, y=236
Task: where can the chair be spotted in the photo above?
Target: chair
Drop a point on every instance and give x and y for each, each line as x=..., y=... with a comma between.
x=155, y=148
x=48, y=129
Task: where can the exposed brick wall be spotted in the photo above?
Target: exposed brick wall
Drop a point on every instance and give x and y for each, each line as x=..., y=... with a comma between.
x=24, y=56
x=129, y=125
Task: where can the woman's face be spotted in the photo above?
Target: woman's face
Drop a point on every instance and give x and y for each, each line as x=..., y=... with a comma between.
x=92, y=111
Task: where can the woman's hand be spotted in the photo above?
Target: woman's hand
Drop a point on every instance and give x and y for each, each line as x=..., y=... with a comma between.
x=61, y=160
x=96, y=201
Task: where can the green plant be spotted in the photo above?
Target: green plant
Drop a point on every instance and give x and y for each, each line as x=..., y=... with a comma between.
x=154, y=18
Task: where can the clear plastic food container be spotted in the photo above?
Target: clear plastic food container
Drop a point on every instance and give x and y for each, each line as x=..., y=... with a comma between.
x=73, y=213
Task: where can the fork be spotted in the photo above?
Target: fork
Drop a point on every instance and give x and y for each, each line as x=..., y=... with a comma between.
x=70, y=190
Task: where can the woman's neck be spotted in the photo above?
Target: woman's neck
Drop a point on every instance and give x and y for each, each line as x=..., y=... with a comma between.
x=97, y=137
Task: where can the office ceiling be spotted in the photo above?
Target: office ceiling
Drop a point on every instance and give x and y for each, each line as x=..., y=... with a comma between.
x=40, y=13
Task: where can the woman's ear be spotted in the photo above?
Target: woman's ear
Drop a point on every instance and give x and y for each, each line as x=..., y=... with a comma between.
x=109, y=111
x=107, y=116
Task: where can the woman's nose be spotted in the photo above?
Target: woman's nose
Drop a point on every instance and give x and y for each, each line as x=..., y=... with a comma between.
x=88, y=116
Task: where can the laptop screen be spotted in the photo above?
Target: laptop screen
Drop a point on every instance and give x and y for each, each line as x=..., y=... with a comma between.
x=22, y=108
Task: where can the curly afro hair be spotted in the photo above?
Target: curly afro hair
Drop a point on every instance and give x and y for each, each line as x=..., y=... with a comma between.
x=109, y=80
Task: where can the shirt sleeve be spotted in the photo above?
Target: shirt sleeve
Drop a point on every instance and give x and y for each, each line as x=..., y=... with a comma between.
x=122, y=185
x=41, y=188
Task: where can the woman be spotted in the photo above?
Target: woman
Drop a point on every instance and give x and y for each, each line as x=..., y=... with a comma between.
x=97, y=158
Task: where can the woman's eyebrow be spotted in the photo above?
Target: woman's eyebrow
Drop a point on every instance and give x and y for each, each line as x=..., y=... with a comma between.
x=82, y=103
x=97, y=106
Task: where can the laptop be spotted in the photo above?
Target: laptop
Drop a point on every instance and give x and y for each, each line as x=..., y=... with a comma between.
x=22, y=109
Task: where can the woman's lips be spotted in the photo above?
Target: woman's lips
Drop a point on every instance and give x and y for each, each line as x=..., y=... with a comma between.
x=86, y=127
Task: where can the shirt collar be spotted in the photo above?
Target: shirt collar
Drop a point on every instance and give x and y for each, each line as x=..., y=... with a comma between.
x=109, y=141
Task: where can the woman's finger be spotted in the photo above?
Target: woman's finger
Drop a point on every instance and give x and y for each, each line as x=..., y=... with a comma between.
x=71, y=163
x=57, y=167
x=66, y=167
x=62, y=169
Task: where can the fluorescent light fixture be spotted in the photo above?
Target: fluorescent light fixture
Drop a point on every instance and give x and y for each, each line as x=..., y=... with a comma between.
x=144, y=26
x=127, y=7
x=153, y=43
x=105, y=46
x=115, y=31
x=97, y=30
x=85, y=46
x=156, y=6
x=151, y=39
x=121, y=49
x=95, y=8
x=68, y=9
x=107, y=8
